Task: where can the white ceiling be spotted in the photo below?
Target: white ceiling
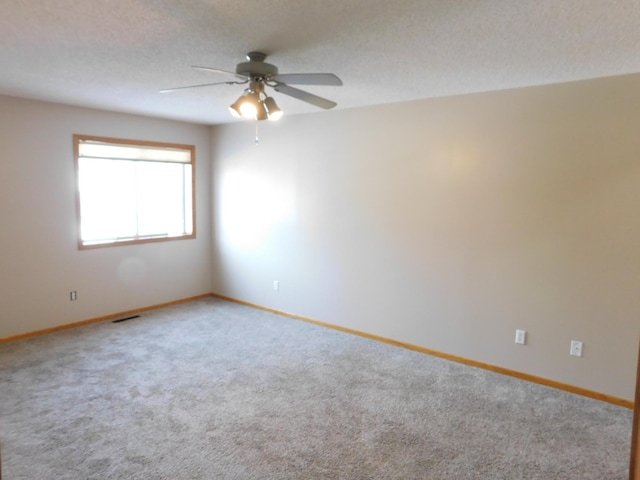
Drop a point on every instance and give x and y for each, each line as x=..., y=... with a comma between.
x=117, y=54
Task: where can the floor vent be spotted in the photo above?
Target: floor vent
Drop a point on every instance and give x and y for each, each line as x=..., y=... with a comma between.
x=126, y=318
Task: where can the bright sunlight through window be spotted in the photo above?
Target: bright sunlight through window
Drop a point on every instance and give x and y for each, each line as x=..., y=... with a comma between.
x=133, y=192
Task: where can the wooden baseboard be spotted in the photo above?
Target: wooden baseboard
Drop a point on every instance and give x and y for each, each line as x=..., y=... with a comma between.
x=104, y=318
x=634, y=468
x=473, y=363
x=455, y=358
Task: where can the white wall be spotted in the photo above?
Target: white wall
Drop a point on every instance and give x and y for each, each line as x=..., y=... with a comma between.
x=449, y=223
x=39, y=259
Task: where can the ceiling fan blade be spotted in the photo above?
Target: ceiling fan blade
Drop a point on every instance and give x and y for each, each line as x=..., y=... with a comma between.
x=304, y=96
x=219, y=70
x=166, y=90
x=309, y=79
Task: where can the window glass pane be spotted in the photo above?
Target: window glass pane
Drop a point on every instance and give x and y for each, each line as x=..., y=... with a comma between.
x=188, y=197
x=160, y=199
x=107, y=199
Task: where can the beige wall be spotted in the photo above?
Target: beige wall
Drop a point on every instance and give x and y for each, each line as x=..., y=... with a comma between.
x=449, y=223
x=39, y=260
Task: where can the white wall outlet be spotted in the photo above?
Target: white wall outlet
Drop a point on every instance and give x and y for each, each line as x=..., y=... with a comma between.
x=576, y=348
x=521, y=337
x=276, y=285
x=73, y=296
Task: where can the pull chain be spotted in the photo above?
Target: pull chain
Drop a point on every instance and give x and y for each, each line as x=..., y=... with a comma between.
x=257, y=139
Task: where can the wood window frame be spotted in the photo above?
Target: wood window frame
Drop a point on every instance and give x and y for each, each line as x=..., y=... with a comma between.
x=78, y=138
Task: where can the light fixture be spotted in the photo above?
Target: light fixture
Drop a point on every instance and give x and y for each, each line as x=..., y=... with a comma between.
x=235, y=108
x=261, y=112
x=250, y=106
x=273, y=112
x=253, y=104
x=246, y=106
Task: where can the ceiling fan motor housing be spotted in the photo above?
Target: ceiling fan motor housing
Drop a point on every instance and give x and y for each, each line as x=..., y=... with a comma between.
x=256, y=66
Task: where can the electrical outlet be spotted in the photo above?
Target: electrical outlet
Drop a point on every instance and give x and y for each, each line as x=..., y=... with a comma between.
x=73, y=296
x=521, y=337
x=576, y=348
x=276, y=285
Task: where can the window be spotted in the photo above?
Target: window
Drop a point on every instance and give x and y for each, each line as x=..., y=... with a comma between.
x=132, y=192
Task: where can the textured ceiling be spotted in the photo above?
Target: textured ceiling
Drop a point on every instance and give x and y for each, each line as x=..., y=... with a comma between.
x=117, y=54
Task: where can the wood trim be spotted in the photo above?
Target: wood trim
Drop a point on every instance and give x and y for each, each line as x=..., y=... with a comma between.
x=104, y=318
x=634, y=464
x=130, y=141
x=76, y=180
x=454, y=358
x=77, y=138
x=136, y=241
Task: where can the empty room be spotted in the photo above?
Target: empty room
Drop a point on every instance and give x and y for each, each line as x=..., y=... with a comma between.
x=313, y=240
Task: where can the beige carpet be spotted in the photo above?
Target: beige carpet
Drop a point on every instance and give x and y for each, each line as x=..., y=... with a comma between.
x=215, y=390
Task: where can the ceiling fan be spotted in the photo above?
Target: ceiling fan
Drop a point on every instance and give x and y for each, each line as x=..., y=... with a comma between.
x=254, y=103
